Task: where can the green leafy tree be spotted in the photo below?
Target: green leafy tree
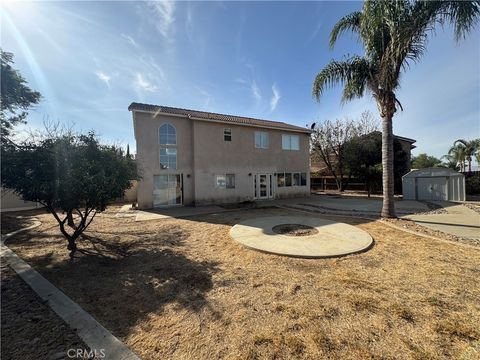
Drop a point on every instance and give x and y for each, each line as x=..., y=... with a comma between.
x=393, y=34
x=73, y=176
x=363, y=159
x=16, y=97
x=468, y=149
x=425, y=161
x=363, y=154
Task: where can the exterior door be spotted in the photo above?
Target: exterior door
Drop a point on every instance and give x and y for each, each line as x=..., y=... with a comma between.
x=167, y=190
x=432, y=188
x=263, y=186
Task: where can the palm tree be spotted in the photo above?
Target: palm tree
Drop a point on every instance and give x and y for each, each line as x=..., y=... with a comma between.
x=393, y=34
x=451, y=161
x=468, y=149
x=457, y=153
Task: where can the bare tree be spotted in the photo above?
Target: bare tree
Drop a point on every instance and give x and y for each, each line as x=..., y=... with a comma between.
x=330, y=137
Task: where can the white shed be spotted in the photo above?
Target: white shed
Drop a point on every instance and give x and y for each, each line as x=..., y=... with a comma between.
x=434, y=184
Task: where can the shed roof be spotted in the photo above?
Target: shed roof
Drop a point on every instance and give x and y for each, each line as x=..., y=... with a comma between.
x=432, y=172
x=208, y=116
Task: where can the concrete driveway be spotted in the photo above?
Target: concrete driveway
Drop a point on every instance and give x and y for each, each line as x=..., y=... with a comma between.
x=459, y=221
x=345, y=204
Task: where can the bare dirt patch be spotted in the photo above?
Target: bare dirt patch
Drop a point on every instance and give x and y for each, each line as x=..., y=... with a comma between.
x=294, y=230
x=30, y=329
x=183, y=289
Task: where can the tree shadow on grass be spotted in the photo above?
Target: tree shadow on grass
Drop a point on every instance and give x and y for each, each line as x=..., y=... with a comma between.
x=123, y=292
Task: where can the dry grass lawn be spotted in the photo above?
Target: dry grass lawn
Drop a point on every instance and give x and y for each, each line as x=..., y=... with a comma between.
x=182, y=289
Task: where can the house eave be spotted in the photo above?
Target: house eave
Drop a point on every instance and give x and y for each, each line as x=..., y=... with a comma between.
x=305, y=131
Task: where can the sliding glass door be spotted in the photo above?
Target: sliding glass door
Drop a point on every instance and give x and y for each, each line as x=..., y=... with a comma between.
x=167, y=190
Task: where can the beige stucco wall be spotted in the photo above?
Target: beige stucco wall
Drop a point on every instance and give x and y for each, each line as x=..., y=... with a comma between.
x=202, y=153
x=12, y=202
x=146, y=128
x=214, y=156
x=131, y=194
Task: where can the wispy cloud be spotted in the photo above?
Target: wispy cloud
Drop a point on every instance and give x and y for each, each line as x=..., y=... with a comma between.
x=315, y=32
x=208, y=98
x=275, y=97
x=256, y=91
x=141, y=82
x=241, y=81
x=103, y=77
x=130, y=39
x=165, y=11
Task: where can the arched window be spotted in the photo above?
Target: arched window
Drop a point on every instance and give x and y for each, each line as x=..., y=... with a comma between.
x=167, y=135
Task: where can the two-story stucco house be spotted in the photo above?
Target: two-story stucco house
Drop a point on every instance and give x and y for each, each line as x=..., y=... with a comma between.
x=189, y=157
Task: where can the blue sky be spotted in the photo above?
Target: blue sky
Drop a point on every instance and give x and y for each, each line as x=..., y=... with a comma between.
x=90, y=60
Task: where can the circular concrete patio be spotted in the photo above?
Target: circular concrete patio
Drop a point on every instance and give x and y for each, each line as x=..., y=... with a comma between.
x=331, y=238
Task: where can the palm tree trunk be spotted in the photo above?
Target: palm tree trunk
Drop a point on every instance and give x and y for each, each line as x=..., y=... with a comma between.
x=388, y=209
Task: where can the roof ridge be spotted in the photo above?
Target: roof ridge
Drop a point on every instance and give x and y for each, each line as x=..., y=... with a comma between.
x=212, y=115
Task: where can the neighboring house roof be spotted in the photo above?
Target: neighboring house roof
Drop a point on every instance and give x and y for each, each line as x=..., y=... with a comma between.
x=401, y=138
x=214, y=117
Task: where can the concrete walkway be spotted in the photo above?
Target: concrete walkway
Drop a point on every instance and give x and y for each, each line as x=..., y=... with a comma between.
x=459, y=221
x=177, y=212
x=333, y=238
x=166, y=213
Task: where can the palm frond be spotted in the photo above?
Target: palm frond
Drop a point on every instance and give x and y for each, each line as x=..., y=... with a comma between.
x=354, y=72
x=463, y=15
x=351, y=22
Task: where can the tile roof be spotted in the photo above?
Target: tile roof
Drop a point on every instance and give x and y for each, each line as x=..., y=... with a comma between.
x=240, y=120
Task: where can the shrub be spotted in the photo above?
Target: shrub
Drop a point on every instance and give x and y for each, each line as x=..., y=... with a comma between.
x=472, y=185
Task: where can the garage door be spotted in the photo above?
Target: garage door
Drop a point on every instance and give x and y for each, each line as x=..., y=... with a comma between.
x=432, y=188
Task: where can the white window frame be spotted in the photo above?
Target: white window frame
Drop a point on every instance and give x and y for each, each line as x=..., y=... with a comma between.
x=227, y=132
x=263, y=144
x=299, y=173
x=224, y=184
x=287, y=143
x=168, y=158
x=306, y=179
x=226, y=181
x=167, y=125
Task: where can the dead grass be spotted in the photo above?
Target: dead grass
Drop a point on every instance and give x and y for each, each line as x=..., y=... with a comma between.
x=183, y=289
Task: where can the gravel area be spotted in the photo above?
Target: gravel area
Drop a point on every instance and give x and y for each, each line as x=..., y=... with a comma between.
x=433, y=208
x=294, y=230
x=30, y=329
x=474, y=207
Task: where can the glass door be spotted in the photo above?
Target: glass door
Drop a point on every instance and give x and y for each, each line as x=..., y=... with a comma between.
x=167, y=190
x=263, y=186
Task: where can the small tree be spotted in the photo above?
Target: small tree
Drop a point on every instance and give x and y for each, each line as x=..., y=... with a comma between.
x=73, y=176
x=16, y=97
